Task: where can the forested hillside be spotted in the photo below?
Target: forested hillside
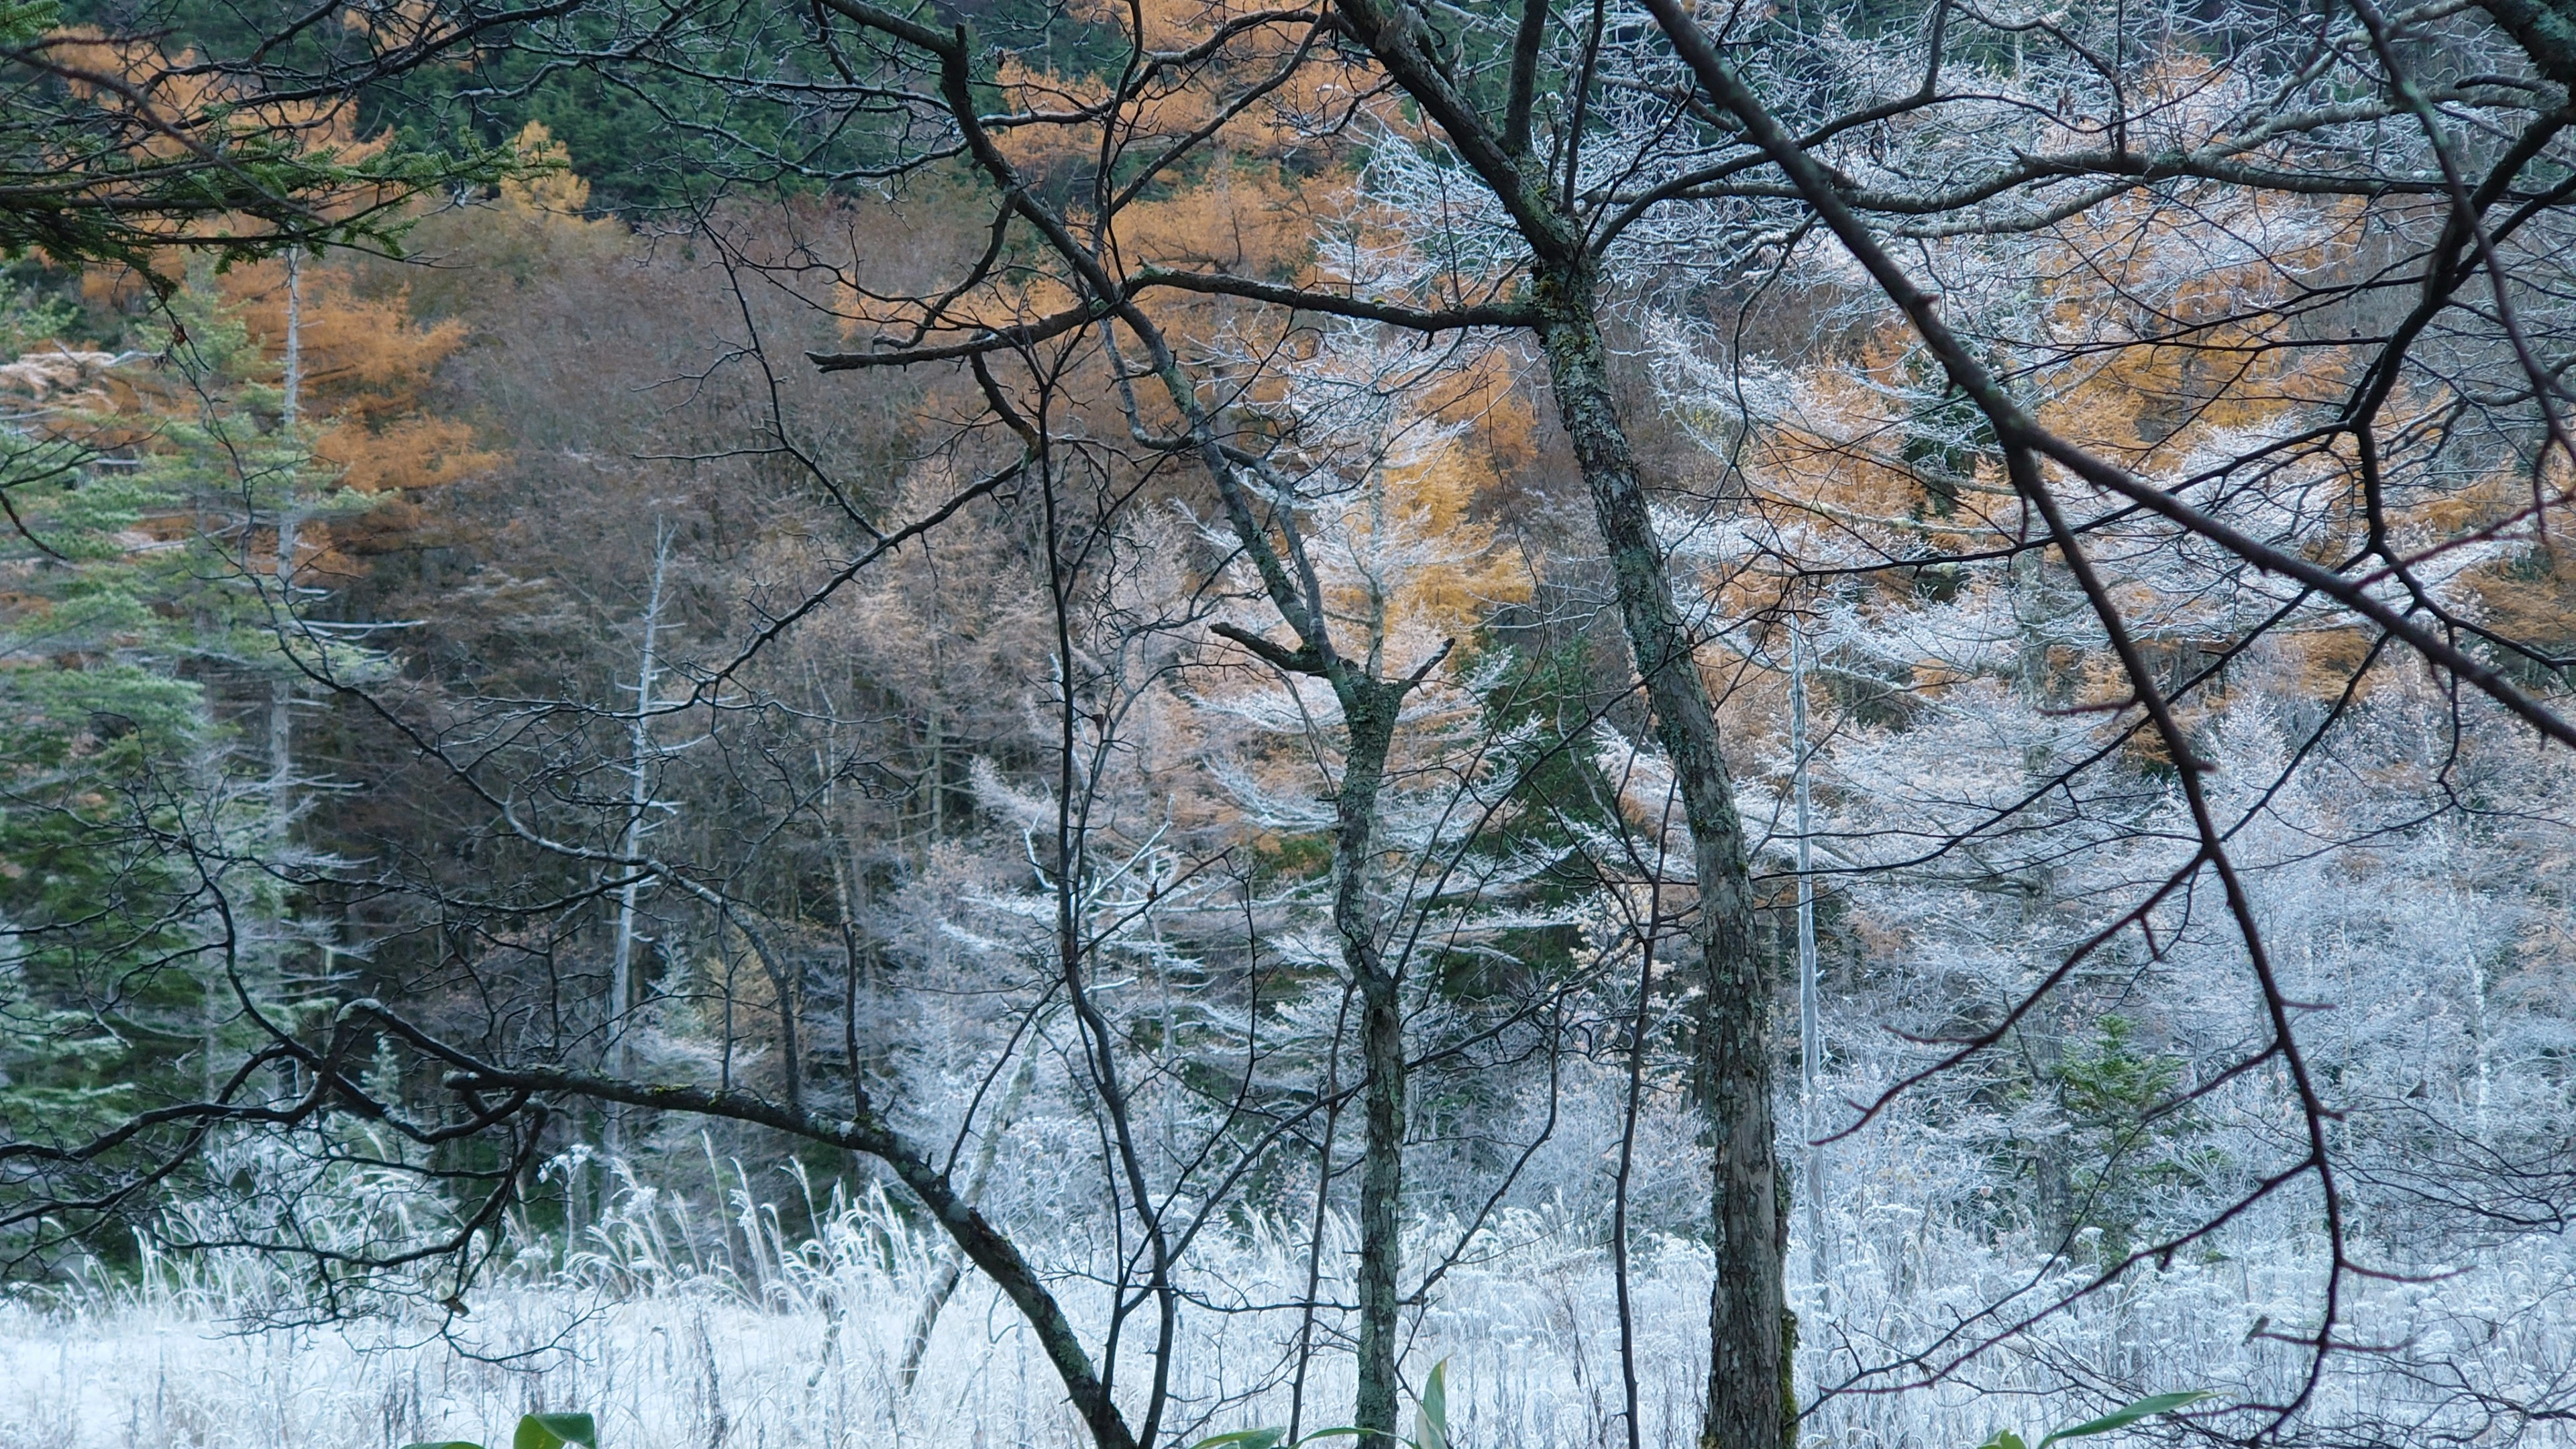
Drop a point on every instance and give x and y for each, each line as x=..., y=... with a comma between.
x=1198, y=725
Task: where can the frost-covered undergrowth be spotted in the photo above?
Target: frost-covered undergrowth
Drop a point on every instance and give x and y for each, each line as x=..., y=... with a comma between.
x=765, y=1342
x=675, y=1340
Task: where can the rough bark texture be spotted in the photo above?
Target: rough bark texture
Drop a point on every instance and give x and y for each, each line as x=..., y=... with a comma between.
x=2546, y=31
x=1746, y=1408
x=1370, y=711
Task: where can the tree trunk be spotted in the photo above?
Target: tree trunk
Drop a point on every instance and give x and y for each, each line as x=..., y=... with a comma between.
x=639, y=801
x=1749, y=1404
x=1369, y=708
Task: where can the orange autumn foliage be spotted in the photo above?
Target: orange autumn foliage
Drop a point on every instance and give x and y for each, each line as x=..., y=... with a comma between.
x=2156, y=353
x=367, y=366
x=1214, y=161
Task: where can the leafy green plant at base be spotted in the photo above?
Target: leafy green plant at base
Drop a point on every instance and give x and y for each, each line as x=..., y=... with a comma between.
x=537, y=1431
x=2119, y=1418
x=1430, y=1425
x=1431, y=1420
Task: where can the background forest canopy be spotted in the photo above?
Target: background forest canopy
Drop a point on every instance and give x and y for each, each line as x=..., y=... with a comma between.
x=1835, y=723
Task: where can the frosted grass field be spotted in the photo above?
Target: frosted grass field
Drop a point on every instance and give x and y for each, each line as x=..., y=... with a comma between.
x=760, y=1343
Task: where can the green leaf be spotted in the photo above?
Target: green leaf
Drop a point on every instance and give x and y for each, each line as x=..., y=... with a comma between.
x=2127, y=1414
x=2004, y=1439
x=554, y=1431
x=1349, y=1431
x=445, y=1444
x=1243, y=1439
x=1431, y=1421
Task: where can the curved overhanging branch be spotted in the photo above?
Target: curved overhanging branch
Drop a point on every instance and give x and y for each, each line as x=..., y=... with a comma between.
x=985, y=1245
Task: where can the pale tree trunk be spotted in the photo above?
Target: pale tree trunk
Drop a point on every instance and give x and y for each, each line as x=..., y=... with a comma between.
x=292, y=402
x=621, y=968
x=1811, y=1024
x=270, y=953
x=281, y=695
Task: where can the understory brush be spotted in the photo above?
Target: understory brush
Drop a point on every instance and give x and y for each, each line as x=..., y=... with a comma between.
x=684, y=1329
